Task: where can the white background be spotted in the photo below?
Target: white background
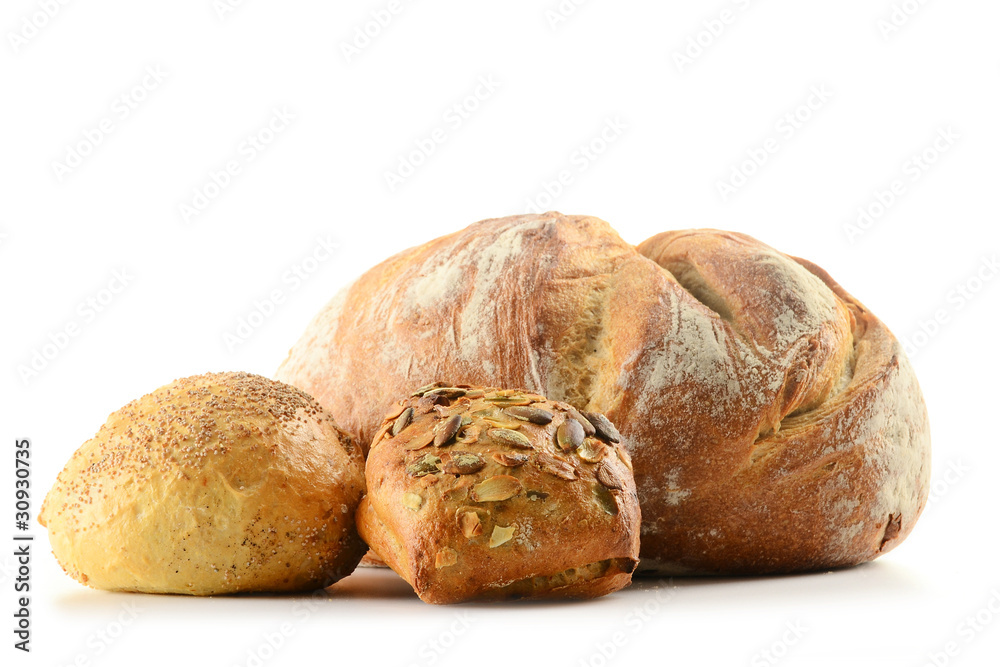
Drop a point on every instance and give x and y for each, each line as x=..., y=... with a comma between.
x=683, y=127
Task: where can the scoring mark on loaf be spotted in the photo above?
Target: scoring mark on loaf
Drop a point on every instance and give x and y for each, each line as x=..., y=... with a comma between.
x=475, y=293
x=477, y=263
x=583, y=352
x=688, y=277
x=727, y=338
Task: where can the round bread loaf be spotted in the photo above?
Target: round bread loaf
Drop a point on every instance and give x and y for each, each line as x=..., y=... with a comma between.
x=775, y=423
x=218, y=483
x=481, y=493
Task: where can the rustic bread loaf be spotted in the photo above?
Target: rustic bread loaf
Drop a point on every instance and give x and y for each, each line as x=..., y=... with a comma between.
x=218, y=483
x=775, y=423
x=482, y=493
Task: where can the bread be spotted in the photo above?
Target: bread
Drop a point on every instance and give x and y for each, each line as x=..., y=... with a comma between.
x=482, y=493
x=775, y=423
x=218, y=483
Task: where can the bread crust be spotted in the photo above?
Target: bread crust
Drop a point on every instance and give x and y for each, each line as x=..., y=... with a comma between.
x=775, y=423
x=217, y=483
x=500, y=506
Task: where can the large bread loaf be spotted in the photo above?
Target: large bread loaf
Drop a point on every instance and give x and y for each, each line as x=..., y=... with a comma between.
x=775, y=424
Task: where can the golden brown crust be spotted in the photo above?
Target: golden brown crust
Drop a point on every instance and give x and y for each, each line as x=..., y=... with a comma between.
x=481, y=493
x=842, y=447
x=774, y=422
x=217, y=483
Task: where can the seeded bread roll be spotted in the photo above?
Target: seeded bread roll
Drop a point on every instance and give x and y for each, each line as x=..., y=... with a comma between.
x=775, y=423
x=479, y=493
x=218, y=483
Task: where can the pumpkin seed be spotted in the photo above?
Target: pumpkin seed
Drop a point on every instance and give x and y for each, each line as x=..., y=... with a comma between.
x=463, y=463
x=588, y=428
x=607, y=476
x=497, y=418
x=420, y=441
x=570, y=434
x=395, y=410
x=530, y=414
x=505, y=436
x=402, y=421
x=428, y=464
x=448, y=392
x=447, y=430
x=382, y=432
x=605, y=429
x=426, y=403
x=427, y=387
x=503, y=421
x=504, y=399
x=496, y=488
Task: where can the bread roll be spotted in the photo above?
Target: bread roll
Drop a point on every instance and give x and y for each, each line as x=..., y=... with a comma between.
x=218, y=483
x=775, y=423
x=480, y=493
